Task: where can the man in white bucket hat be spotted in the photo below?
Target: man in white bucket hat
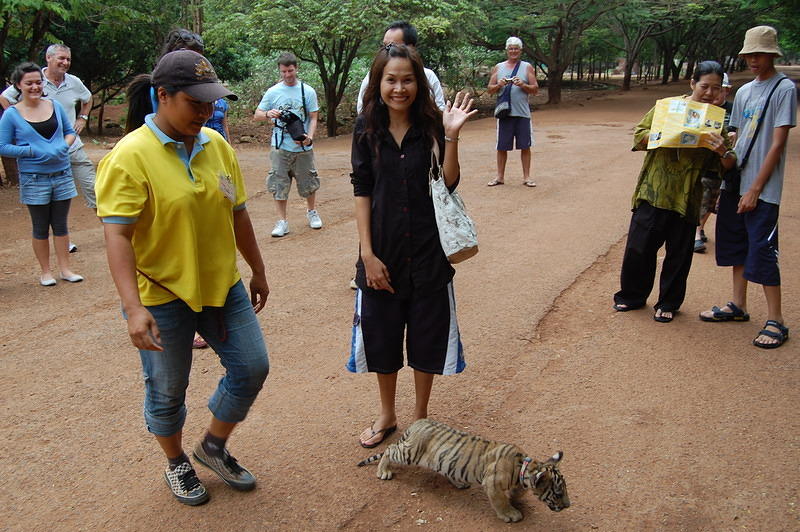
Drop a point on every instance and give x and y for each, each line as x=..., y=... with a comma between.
x=764, y=111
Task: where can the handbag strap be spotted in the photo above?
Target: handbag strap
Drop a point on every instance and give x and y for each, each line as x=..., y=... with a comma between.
x=507, y=90
x=760, y=121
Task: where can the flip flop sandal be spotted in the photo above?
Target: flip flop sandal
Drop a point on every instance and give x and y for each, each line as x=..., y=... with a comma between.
x=388, y=431
x=622, y=307
x=529, y=184
x=735, y=314
x=781, y=336
x=664, y=319
x=495, y=183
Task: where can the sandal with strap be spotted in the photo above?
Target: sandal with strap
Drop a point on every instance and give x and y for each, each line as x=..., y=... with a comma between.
x=735, y=314
x=388, y=431
x=781, y=336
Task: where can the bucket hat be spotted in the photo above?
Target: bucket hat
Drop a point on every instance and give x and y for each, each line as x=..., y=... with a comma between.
x=761, y=40
x=191, y=73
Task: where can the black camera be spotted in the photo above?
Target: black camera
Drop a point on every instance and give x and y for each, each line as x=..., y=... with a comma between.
x=293, y=125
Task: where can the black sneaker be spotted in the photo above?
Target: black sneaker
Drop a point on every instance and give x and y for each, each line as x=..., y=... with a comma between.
x=185, y=485
x=73, y=248
x=703, y=236
x=227, y=468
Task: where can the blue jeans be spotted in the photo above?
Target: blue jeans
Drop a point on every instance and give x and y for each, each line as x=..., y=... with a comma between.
x=234, y=334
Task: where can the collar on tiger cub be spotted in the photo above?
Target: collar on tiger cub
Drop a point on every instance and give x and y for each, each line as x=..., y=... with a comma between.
x=525, y=462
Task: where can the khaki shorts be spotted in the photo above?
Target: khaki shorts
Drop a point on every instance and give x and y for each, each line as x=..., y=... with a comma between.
x=287, y=165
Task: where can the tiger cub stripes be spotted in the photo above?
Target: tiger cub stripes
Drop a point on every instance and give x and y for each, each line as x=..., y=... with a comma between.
x=503, y=470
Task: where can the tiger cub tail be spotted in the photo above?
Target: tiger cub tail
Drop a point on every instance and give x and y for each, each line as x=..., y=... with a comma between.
x=371, y=460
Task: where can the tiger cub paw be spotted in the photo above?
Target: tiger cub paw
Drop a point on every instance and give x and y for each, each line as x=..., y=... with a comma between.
x=511, y=516
x=385, y=475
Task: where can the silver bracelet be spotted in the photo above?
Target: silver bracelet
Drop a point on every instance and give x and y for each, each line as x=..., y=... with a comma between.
x=449, y=139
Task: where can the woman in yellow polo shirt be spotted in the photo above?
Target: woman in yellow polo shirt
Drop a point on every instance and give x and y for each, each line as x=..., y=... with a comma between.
x=172, y=200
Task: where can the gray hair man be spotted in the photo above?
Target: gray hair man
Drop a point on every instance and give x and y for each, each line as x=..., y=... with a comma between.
x=68, y=90
x=519, y=78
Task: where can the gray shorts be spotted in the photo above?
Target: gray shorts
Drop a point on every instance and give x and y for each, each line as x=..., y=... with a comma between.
x=287, y=165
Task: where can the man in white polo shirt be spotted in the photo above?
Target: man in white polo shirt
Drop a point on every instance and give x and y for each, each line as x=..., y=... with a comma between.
x=67, y=90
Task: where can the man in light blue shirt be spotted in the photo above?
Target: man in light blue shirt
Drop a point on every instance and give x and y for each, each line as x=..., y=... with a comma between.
x=289, y=104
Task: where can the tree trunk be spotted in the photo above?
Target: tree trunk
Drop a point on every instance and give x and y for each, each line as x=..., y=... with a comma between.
x=101, y=114
x=689, y=69
x=12, y=173
x=554, y=81
x=3, y=37
x=626, y=78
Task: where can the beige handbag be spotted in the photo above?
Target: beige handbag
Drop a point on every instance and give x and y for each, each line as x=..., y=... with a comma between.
x=456, y=229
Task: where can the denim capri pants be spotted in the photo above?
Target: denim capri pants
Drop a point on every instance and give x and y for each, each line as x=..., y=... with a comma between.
x=234, y=334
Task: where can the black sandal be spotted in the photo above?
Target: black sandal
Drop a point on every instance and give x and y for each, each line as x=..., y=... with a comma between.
x=782, y=335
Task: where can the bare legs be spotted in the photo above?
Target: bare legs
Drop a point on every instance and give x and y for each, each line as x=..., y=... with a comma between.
x=502, y=157
x=280, y=205
x=41, y=248
x=526, y=157
x=771, y=293
x=387, y=387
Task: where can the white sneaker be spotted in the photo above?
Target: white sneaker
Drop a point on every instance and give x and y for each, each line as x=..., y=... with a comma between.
x=281, y=228
x=314, y=221
x=73, y=248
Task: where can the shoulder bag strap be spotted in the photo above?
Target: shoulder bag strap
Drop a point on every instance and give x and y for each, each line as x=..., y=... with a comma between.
x=760, y=121
x=507, y=89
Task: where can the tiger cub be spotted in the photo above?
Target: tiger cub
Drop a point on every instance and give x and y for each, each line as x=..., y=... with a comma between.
x=504, y=470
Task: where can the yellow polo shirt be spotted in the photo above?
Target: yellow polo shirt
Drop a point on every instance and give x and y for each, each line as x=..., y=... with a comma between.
x=182, y=206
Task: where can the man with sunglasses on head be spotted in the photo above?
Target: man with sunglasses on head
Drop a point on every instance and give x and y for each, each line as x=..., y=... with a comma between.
x=401, y=32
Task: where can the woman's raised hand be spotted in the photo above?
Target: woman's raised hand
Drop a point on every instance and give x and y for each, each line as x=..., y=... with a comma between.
x=457, y=113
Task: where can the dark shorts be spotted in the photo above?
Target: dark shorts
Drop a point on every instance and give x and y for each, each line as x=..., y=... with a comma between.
x=428, y=322
x=749, y=239
x=514, y=127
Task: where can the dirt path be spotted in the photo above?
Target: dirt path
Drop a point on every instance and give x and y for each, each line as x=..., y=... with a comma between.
x=682, y=426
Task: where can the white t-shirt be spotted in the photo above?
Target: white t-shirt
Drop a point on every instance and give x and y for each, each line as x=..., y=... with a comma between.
x=433, y=83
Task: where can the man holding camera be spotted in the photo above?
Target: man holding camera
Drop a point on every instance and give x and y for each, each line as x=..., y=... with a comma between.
x=519, y=78
x=293, y=108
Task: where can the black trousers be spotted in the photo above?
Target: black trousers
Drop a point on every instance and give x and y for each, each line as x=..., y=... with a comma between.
x=651, y=228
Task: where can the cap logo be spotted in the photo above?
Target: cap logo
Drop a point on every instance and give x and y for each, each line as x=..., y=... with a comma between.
x=204, y=70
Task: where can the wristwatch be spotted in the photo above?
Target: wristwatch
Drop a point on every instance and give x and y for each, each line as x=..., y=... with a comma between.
x=728, y=154
x=85, y=117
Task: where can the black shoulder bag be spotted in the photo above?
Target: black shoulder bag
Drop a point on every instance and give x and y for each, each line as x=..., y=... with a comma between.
x=733, y=177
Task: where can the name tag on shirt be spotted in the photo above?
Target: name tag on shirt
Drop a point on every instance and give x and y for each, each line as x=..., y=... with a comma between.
x=227, y=187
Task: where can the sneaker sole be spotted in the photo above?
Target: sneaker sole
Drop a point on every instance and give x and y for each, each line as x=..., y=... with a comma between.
x=189, y=501
x=234, y=485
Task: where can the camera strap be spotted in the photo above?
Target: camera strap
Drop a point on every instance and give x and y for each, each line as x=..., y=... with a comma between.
x=275, y=129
